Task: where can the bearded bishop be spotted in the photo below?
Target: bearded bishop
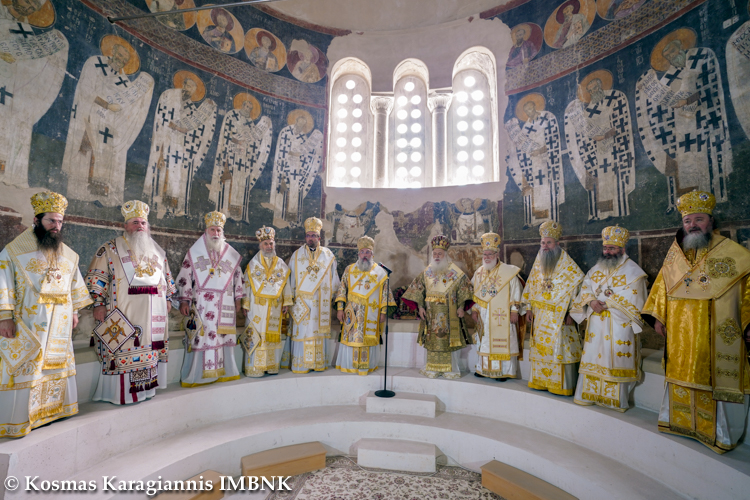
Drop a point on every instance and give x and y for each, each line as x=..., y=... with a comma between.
x=267, y=297
x=497, y=303
x=611, y=297
x=131, y=284
x=209, y=288
x=362, y=301
x=313, y=279
x=553, y=284
x=701, y=302
x=441, y=293
x=41, y=291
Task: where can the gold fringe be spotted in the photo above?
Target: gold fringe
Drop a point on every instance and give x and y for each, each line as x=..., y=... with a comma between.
x=226, y=330
x=46, y=412
x=499, y=357
x=214, y=373
x=434, y=367
x=50, y=298
x=273, y=337
x=729, y=396
x=55, y=365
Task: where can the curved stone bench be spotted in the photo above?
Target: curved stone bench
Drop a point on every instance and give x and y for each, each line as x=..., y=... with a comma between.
x=587, y=451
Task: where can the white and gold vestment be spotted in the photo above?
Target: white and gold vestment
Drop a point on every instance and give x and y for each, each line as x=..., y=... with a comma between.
x=555, y=347
x=267, y=291
x=610, y=362
x=37, y=368
x=497, y=293
x=365, y=297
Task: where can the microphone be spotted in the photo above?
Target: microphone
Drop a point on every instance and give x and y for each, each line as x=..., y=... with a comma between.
x=385, y=268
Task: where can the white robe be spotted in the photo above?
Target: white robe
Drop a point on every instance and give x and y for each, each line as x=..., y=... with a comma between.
x=28, y=87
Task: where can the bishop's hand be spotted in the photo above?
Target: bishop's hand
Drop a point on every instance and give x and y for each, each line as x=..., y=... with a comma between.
x=660, y=328
x=598, y=306
x=422, y=314
x=460, y=312
x=7, y=328
x=185, y=308
x=340, y=316
x=100, y=312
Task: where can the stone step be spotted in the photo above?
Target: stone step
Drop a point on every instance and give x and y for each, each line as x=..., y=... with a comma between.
x=514, y=484
x=397, y=454
x=214, y=493
x=285, y=461
x=403, y=403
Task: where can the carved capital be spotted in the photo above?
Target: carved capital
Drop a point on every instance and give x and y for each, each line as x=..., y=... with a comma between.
x=439, y=102
x=381, y=104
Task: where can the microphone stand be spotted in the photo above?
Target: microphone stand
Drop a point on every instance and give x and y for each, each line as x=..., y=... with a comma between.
x=385, y=393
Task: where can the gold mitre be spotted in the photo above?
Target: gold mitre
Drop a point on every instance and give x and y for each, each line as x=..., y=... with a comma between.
x=615, y=236
x=696, y=202
x=313, y=225
x=491, y=241
x=550, y=229
x=440, y=242
x=47, y=201
x=134, y=208
x=364, y=242
x=265, y=233
x=217, y=219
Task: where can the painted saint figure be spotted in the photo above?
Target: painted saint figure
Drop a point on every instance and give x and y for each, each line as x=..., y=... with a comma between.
x=32, y=69
x=262, y=56
x=682, y=117
x=600, y=145
x=611, y=297
x=296, y=164
x=362, y=301
x=210, y=291
x=535, y=163
x=219, y=34
x=108, y=112
x=41, y=292
x=738, y=68
x=242, y=153
x=182, y=134
x=573, y=24
x=523, y=49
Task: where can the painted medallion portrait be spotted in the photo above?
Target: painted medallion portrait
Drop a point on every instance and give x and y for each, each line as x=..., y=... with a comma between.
x=176, y=20
x=569, y=23
x=265, y=50
x=670, y=50
x=617, y=9
x=121, y=54
x=306, y=63
x=37, y=13
x=191, y=84
x=527, y=41
x=221, y=30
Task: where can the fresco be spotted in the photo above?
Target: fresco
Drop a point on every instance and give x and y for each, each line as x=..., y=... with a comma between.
x=569, y=22
x=306, y=62
x=527, y=41
x=265, y=50
x=617, y=9
x=177, y=21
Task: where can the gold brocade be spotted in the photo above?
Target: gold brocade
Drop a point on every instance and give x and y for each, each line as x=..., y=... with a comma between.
x=493, y=289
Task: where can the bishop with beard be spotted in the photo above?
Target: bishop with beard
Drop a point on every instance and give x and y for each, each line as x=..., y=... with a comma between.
x=210, y=291
x=441, y=293
x=553, y=284
x=700, y=302
x=41, y=291
x=362, y=301
x=497, y=303
x=611, y=298
x=268, y=296
x=130, y=282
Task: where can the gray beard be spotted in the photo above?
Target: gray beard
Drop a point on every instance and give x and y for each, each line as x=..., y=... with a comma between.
x=696, y=241
x=548, y=260
x=268, y=254
x=490, y=266
x=440, y=268
x=610, y=263
x=364, y=265
x=215, y=245
x=141, y=244
x=597, y=96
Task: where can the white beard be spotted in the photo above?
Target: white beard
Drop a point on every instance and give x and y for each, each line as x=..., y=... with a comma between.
x=141, y=244
x=268, y=254
x=490, y=266
x=364, y=265
x=441, y=267
x=215, y=244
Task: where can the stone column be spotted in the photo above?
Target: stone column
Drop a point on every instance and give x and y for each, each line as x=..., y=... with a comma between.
x=438, y=105
x=381, y=106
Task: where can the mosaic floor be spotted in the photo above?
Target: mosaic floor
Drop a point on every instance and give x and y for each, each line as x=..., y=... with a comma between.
x=343, y=479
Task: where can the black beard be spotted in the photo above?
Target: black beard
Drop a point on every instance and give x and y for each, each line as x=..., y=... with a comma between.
x=46, y=239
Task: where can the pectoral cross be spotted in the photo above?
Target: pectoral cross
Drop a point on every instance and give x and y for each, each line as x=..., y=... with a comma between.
x=687, y=282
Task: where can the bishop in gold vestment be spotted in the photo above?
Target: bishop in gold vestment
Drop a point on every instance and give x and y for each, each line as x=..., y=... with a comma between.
x=267, y=296
x=611, y=298
x=497, y=303
x=441, y=292
x=553, y=284
x=41, y=291
x=362, y=301
x=701, y=302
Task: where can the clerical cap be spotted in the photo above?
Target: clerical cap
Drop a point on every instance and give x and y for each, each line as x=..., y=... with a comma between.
x=134, y=208
x=440, y=242
x=491, y=241
x=313, y=225
x=47, y=201
x=616, y=236
x=365, y=242
x=550, y=229
x=696, y=202
x=216, y=219
x=265, y=233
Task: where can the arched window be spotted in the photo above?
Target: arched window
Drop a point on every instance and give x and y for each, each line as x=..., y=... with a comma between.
x=350, y=126
x=409, y=131
x=472, y=120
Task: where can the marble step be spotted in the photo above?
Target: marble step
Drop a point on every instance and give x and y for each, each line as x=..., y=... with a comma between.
x=397, y=454
x=285, y=461
x=403, y=403
x=514, y=484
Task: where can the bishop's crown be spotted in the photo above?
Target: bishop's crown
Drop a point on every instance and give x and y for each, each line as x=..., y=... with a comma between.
x=265, y=233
